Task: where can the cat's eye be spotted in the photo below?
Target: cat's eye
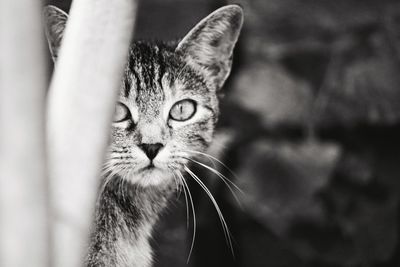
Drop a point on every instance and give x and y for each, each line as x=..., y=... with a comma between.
x=121, y=113
x=183, y=110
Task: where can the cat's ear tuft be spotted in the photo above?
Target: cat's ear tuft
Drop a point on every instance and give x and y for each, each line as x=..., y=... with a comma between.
x=55, y=21
x=208, y=47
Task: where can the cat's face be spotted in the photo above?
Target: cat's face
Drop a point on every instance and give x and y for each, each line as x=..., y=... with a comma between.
x=165, y=110
x=168, y=105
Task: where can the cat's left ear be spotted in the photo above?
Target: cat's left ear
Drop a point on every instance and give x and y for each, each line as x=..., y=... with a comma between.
x=208, y=47
x=55, y=21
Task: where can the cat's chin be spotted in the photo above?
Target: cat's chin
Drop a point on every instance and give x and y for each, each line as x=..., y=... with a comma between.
x=151, y=176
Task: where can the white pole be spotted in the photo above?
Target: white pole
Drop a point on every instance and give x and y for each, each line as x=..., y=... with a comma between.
x=23, y=194
x=81, y=102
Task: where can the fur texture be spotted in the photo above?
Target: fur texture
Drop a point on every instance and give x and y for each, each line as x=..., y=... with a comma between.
x=167, y=111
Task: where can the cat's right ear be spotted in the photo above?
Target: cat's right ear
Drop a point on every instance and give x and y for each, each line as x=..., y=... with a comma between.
x=208, y=47
x=55, y=21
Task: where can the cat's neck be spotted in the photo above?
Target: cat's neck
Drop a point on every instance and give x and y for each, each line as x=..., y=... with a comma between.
x=125, y=216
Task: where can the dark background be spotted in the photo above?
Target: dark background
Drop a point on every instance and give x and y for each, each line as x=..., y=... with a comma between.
x=310, y=122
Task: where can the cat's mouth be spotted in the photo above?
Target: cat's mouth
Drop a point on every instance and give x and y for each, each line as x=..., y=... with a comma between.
x=149, y=167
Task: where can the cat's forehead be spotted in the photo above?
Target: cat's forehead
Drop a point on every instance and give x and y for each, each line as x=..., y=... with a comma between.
x=153, y=74
x=147, y=74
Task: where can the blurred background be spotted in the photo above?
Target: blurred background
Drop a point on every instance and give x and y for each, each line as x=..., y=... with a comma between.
x=310, y=126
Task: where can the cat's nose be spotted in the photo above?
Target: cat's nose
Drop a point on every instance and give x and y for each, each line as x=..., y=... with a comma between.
x=151, y=150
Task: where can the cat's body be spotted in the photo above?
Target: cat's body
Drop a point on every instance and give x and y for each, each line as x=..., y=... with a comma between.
x=166, y=115
x=124, y=218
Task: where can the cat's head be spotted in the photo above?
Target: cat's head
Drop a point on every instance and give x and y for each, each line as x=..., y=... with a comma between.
x=168, y=103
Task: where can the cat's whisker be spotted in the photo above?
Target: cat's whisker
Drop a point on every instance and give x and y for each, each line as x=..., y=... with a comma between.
x=106, y=167
x=226, y=181
x=186, y=199
x=107, y=178
x=110, y=166
x=217, y=208
x=120, y=188
x=107, y=170
x=216, y=159
x=110, y=169
x=193, y=213
x=123, y=182
x=223, y=177
x=219, y=174
x=178, y=186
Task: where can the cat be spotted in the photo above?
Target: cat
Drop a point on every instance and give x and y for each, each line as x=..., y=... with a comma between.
x=165, y=117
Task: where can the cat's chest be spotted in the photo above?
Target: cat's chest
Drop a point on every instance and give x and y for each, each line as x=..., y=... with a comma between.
x=133, y=250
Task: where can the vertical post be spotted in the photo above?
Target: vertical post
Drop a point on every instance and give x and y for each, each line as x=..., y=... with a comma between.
x=81, y=102
x=23, y=194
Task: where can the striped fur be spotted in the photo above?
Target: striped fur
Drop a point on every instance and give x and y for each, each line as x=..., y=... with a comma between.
x=156, y=77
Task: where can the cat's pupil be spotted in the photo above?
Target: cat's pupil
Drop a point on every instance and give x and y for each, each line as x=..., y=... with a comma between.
x=183, y=110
